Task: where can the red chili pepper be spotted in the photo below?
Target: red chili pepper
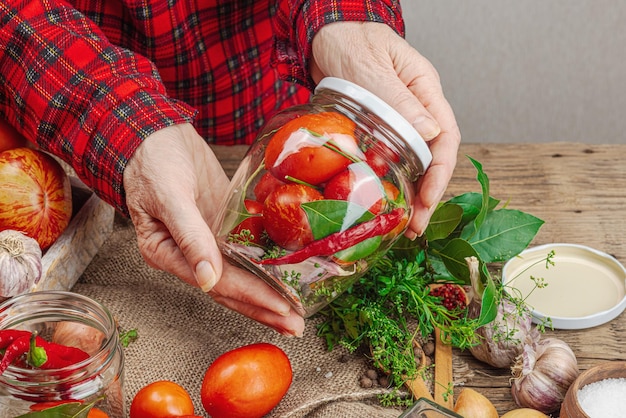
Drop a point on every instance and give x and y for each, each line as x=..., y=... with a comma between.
x=338, y=241
x=7, y=336
x=23, y=345
x=60, y=356
x=40, y=353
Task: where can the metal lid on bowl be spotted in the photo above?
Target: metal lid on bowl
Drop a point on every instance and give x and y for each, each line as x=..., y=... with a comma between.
x=584, y=287
x=385, y=112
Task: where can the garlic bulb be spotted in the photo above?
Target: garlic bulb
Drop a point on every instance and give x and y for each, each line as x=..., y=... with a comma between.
x=543, y=373
x=502, y=340
x=20, y=263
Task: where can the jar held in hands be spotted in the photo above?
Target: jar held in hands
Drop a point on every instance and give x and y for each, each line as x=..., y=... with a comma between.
x=322, y=194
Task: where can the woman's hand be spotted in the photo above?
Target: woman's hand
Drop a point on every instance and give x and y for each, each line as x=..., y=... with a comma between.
x=174, y=185
x=373, y=56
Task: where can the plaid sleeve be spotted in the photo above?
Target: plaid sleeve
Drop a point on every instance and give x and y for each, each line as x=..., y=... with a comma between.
x=66, y=88
x=297, y=21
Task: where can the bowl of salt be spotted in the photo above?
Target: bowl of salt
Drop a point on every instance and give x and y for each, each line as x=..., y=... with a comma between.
x=597, y=392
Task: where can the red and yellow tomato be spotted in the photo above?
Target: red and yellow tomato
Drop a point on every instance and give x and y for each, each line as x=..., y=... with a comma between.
x=36, y=196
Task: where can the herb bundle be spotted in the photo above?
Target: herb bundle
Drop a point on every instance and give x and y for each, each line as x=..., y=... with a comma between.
x=391, y=305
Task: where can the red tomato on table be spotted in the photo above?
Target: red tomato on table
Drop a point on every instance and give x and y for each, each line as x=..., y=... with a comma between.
x=302, y=148
x=247, y=382
x=161, y=399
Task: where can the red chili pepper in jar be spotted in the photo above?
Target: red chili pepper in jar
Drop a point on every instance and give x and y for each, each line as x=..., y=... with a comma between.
x=39, y=352
x=338, y=241
x=7, y=336
x=26, y=344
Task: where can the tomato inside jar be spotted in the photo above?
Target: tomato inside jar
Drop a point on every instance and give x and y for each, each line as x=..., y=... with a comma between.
x=333, y=186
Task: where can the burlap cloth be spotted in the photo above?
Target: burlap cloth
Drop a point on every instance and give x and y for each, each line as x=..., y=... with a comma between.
x=181, y=331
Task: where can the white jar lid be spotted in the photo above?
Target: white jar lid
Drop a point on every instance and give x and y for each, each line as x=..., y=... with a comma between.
x=374, y=104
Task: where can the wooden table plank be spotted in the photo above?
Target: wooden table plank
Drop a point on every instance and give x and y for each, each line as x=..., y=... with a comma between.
x=579, y=190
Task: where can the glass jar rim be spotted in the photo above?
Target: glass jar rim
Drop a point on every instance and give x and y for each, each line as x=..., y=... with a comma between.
x=384, y=111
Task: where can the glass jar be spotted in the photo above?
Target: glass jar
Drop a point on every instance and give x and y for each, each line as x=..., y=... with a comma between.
x=69, y=319
x=322, y=194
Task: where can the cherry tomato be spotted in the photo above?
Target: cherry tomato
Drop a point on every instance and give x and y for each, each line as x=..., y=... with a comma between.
x=246, y=382
x=358, y=184
x=266, y=185
x=300, y=149
x=285, y=221
x=253, y=224
x=161, y=399
x=378, y=157
x=361, y=187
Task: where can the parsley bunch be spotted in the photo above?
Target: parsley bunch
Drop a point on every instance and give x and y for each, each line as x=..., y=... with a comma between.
x=387, y=309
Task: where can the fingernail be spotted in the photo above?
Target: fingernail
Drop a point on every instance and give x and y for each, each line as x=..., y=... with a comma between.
x=412, y=235
x=426, y=127
x=205, y=275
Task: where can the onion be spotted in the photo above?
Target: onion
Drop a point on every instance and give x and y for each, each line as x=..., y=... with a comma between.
x=471, y=404
x=503, y=339
x=524, y=413
x=20, y=263
x=83, y=336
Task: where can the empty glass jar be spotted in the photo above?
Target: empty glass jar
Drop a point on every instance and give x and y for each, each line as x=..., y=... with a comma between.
x=322, y=194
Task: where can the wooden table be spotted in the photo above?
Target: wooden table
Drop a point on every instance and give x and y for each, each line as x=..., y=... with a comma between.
x=579, y=190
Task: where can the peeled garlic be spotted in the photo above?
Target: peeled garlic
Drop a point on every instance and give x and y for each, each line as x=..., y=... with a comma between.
x=471, y=404
x=20, y=263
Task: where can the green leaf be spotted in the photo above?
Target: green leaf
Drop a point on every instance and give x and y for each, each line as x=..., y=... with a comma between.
x=360, y=250
x=328, y=216
x=444, y=220
x=453, y=256
x=490, y=300
x=472, y=203
x=67, y=410
x=503, y=235
x=484, y=182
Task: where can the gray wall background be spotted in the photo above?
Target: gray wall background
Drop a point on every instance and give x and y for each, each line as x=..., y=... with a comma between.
x=528, y=71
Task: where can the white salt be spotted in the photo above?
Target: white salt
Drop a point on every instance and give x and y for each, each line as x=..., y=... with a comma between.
x=604, y=398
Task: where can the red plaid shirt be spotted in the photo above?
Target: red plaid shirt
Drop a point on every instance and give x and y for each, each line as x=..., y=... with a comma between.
x=88, y=80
